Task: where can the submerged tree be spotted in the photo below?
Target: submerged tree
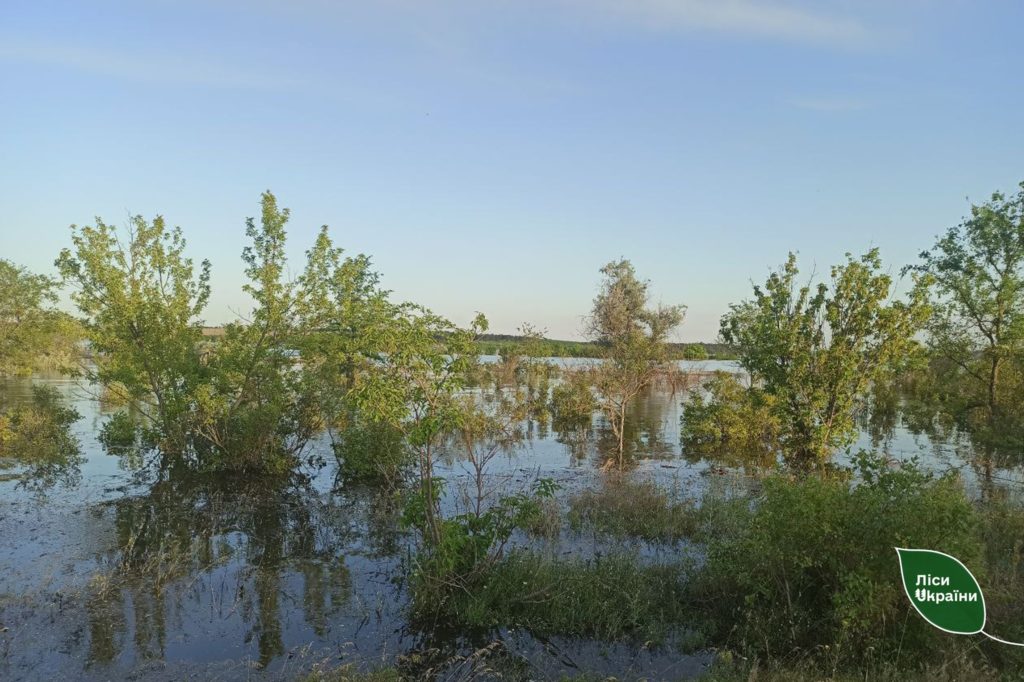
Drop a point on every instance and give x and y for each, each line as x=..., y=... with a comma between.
x=254, y=412
x=424, y=364
x=976, y=334
x=344, y=314
x=817, y=350
x=33, y=334
x=141, y=298
x=634, y=336
x=253, y=399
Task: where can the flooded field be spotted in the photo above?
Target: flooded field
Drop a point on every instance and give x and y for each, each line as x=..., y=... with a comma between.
x=109, y=570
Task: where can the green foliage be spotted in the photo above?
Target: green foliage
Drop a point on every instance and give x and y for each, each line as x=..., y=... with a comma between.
x=251, y=400
x=695, y=351
x=811, y=571
x=253, y=413
x=976, y=334
x=730, y=422
x=816, y=351
x=38, y=436
x=141, y=298
x=609, y=597
x=624, y=508
x=119, y=432
x=467, y=544
x=1002, y=536
x=635, y=336
x=731, y=668
x=341, y=312
x=509, y=344
x=572, y=400
x=424, y=362
x=372, y=452
x=33, y=335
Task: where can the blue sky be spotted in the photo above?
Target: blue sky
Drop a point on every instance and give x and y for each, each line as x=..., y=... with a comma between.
x=492, y=156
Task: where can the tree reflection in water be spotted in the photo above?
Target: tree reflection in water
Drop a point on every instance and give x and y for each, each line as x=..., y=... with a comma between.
x=236, y=546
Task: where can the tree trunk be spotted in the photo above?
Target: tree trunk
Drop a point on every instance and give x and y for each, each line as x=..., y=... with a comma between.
x=622, y=433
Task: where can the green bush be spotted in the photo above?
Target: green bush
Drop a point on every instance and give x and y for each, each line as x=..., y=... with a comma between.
x=694, y=351
x=466, y=546
x=641, y=509
x=372, y=452
x=811, y=571
x=730, y=421
x=572, y=402
x=1002, y=533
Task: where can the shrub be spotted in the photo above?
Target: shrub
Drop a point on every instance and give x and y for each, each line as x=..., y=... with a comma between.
x=730, y=421
x=372, y=452
x=695, y=351
x=1002, y=533
x=634, y=509
x=812, y=570
x=572, y=402
x=467, y=545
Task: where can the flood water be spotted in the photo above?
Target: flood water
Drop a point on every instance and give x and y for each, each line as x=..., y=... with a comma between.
x=111, y=572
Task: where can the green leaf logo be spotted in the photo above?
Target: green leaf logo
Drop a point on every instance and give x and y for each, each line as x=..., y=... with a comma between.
x=942, y=590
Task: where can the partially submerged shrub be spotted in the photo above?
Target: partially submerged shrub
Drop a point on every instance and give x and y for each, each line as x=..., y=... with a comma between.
x=572, y=401
x=812, y=570
x=544, y=519
x=634, y=509
x=730, y=421
x=373, y=452
x=467, y=545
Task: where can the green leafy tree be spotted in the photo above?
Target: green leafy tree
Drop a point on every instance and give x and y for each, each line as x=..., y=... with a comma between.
x=342, y=312
x=33, y=335
x=254, y=412
x=730, y=422
x=634, y=335
x=817, y=350
x=425, y=362
x=976, y=334
x=141, y=299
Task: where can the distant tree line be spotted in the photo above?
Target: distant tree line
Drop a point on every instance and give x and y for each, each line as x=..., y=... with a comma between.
x=502, y=344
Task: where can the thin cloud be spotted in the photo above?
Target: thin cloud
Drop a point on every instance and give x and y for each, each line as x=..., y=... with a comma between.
x=759, y=18
x=830, y=104
x=147, y=68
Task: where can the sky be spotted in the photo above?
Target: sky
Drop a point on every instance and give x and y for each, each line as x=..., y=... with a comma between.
x=492, y=155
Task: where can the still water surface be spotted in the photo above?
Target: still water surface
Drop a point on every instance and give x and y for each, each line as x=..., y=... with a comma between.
x=114, y=572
